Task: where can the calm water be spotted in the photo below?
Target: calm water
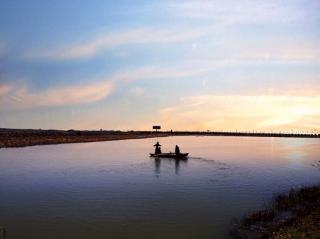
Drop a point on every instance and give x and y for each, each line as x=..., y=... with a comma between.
x=114, y=190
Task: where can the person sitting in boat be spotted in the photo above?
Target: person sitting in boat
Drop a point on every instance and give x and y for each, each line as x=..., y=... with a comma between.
x=158, y=148
x=177, y=150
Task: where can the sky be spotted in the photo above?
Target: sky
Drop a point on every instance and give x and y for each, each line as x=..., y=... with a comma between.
x=249, y=65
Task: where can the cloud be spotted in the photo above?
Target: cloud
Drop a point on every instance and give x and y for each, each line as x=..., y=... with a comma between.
x=4, y=89
x=137, y=91
x=22, y=97
x=281, y=52
x=244, y=112
x=230, y=12
x=183, y=70
x=203, y=67
x=19, y=97
x=221, y=14
x=104, y=42
x=194, y=46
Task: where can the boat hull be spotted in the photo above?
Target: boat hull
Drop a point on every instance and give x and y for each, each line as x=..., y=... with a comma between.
x=170, y=155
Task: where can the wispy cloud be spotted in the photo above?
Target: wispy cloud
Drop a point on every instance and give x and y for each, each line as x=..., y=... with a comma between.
x=137, y=91
x=107, y=41
x=199, y=67
x=231, y=12
x=182, y=70
x=4, y=89
x=221, y=14
x=22, y=97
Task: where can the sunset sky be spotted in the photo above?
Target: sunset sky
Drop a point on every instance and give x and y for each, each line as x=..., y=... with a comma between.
x=186, y=65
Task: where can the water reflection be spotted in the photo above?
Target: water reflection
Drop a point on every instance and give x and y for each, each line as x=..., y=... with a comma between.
x=115, y=190
x=177, y=162
x=157, y=164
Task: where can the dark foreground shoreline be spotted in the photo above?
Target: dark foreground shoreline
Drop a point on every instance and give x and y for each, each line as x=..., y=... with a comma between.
x=295, y=214
x=31, y=137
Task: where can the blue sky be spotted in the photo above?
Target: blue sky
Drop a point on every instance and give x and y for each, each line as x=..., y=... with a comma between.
x=198, y=65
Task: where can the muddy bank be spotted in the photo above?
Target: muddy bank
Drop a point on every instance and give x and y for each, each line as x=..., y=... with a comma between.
x=292, y=215
x=25, y=137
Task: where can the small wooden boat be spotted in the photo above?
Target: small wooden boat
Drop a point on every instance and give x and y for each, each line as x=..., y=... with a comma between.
x=170, y=155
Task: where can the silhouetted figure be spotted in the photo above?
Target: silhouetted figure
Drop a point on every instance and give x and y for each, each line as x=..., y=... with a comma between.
x=158, y=148
x=177, y=150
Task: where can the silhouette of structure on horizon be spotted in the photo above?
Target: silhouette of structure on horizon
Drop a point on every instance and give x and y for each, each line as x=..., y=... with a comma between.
x=156, y=127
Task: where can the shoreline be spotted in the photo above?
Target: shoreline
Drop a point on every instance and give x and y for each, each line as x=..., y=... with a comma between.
x=295, y=214
x=10, y=138
x=26, y=138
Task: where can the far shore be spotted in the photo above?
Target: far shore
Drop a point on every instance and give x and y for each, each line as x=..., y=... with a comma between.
x=30, y=137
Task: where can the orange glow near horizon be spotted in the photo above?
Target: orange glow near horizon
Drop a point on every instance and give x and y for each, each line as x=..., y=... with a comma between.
x=243, y=113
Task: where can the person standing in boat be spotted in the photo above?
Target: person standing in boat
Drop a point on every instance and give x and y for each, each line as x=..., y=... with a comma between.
x=177, y=150
x=158, y=148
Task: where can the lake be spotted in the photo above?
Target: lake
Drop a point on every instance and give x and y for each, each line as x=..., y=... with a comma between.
x=114, y=190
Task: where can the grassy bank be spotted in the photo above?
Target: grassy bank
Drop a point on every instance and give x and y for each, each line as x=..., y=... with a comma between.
x=292, y=215
x=22, y=138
